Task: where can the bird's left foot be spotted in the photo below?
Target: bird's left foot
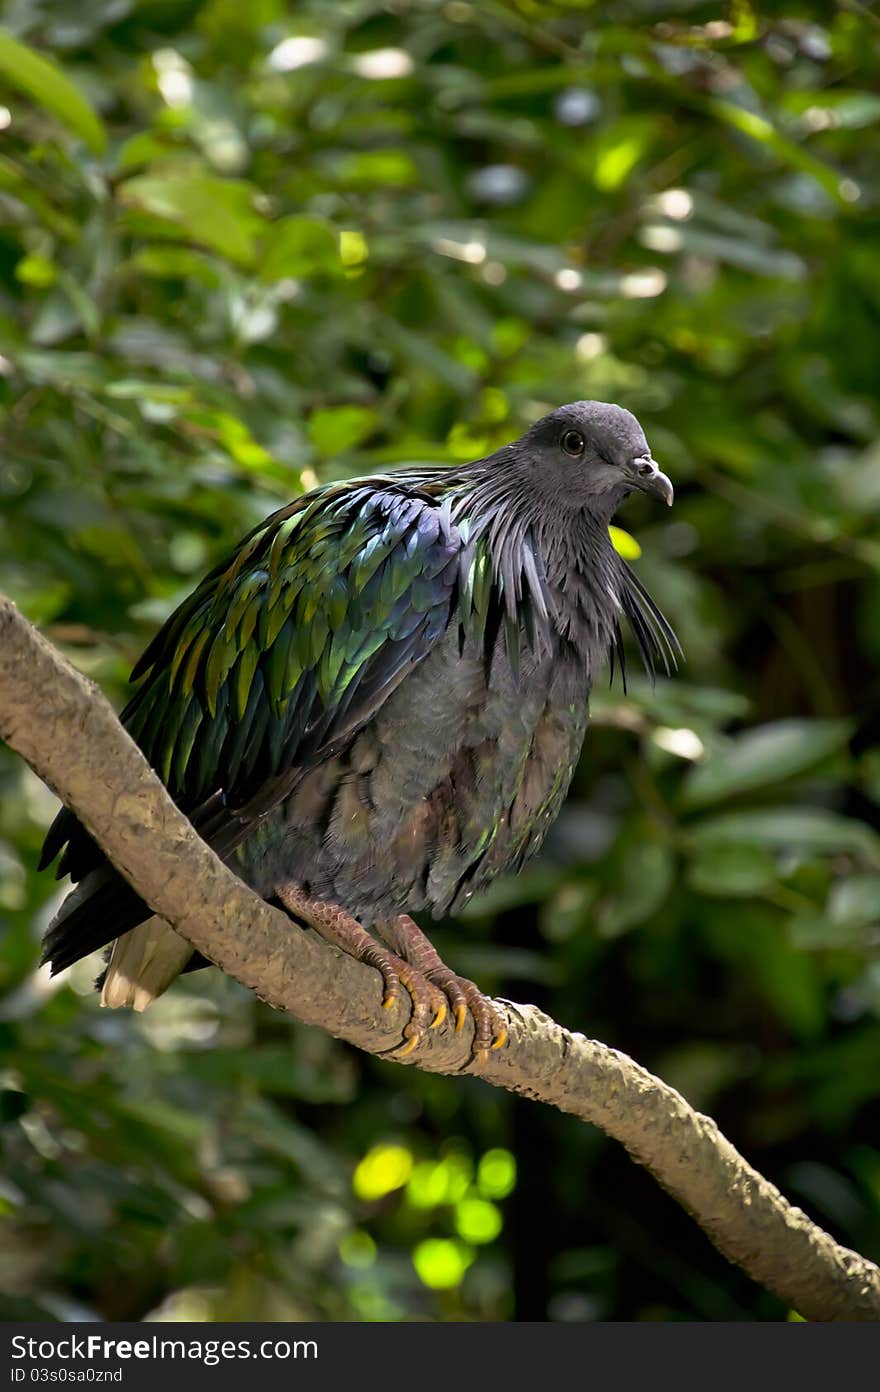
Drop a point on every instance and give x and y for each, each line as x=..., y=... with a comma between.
x=490, y=1027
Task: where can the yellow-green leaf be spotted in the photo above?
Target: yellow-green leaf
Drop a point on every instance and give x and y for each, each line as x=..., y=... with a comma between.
x=341, y=427
x=36, y=271
x=441, y=1264
x=624, y=544
x=382, y=1170
x=214, y=211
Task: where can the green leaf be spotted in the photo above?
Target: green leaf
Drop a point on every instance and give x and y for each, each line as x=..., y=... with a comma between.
x=790, y=983
x=299, y=246
x=732, y=870
x=855, y=899
x=758, y=128
x=12, y=879
x=648, y=879
x=764, y=755
x=749, y=255
x=215, y=212
x=815, y=932
x=851, y=914
x=805, y=830
x=37, y=271
x=177, y=262
x=376, y=169
x=45, y=83
x=615, y=154
x=339, y=428
x=849, y=109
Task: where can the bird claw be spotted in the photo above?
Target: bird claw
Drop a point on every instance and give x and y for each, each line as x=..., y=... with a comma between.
x=462, y=998
x=429, y=1007
x=490, y=1029
x=435, y=990
x=499, y=1039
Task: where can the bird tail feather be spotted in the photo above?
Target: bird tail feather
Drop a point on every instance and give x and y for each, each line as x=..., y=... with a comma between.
x=101, y=907
x=143, y=964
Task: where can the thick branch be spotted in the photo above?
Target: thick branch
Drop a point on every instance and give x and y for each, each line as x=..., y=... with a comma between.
x=63, y=727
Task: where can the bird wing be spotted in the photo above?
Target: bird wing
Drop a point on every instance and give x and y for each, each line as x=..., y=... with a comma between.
x=279, y=656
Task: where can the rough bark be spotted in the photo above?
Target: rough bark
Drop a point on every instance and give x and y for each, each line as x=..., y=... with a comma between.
x=63, y=727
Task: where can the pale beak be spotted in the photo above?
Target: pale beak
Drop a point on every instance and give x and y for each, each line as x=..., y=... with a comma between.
x=648, y=476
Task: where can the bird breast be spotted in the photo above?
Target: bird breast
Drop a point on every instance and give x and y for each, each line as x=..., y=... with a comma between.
x=455, y=780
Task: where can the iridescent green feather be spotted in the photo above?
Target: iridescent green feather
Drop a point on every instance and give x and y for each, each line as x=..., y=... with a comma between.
x=318, y=603
x=301, y=634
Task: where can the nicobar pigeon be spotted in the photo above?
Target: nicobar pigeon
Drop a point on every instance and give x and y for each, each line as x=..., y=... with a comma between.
x=375, y=705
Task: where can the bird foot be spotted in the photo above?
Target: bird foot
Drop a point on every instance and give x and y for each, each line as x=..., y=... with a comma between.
x=490, y=1027
x=434, y=988
x=429, y=1003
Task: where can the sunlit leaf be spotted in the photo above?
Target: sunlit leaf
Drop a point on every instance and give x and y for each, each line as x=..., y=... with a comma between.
x=212, y=211
x=45, y=82
x=382, y=1170
x=624, y=544
x=441, y=1263
x=477, y=1220
x=340, y=428
x=496, y=1174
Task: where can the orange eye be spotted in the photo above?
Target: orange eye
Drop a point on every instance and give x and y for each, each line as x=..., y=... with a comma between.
x=573, y=443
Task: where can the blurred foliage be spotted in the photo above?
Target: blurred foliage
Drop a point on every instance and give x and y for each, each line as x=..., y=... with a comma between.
x=247, y=246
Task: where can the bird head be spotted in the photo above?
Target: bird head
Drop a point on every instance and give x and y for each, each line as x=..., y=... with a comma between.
x=591, y=455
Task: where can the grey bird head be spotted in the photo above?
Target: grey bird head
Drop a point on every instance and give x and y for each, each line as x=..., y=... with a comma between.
x=591, y=454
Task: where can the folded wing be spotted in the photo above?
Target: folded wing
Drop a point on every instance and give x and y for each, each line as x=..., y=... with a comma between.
x=276, y=660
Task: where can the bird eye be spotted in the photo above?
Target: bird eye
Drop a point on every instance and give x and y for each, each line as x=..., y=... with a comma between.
x=573, y=442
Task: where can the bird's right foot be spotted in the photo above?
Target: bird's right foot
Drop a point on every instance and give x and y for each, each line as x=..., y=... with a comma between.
x=464, y=996
x=429, y=1002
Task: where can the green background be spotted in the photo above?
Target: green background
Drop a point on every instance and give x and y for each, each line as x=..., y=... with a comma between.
x=248, y=246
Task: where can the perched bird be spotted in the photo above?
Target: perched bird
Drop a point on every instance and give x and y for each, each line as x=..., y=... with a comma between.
x=376, y=704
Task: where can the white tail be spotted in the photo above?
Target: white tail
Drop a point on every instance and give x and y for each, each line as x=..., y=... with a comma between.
x=143, y=964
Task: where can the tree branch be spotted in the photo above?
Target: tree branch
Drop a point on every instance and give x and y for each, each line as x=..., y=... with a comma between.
x=63, y=727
